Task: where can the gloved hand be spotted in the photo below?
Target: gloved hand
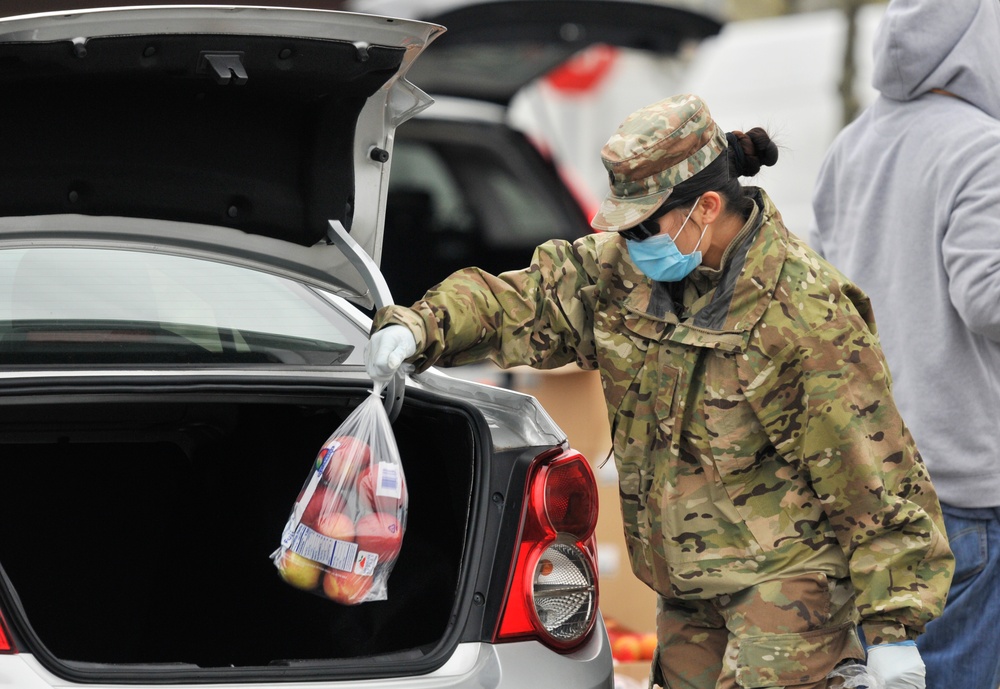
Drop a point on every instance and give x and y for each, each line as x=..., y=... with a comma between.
x=898, y=664
x=387, y=350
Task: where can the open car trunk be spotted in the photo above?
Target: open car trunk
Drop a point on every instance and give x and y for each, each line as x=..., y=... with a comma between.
x=136, y=529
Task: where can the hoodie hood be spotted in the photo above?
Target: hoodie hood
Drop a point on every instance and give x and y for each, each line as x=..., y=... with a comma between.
x=922, y=45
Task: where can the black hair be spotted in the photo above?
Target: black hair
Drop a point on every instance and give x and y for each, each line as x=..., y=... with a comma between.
x=745, y=155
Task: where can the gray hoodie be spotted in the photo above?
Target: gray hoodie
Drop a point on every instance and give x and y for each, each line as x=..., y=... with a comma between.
x=907, y=204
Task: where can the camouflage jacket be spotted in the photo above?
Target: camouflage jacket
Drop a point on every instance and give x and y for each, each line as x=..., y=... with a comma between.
x=753, y=427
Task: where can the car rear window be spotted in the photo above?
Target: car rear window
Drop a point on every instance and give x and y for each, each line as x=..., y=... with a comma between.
x=107, y=306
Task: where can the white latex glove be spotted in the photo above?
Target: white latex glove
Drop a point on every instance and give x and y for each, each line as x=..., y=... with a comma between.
x=387, y=350
x=899, y=665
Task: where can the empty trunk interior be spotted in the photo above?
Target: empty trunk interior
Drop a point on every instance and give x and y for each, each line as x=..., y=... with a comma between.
x=139, y=530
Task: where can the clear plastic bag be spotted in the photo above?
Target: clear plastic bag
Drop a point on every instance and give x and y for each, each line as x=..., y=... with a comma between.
x=854, y=676
x=346, y=527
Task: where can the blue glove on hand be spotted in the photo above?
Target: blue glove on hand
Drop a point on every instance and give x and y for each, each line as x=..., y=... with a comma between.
x=387, y=350
x=898, y=665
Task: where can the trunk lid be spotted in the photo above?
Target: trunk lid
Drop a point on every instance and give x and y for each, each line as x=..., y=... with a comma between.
x=254, y=127
x=494, y=49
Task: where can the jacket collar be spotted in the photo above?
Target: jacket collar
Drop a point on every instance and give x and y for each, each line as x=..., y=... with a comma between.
x=746, y=286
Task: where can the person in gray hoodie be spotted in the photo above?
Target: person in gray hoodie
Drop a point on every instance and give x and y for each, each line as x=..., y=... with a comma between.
x=907, y=204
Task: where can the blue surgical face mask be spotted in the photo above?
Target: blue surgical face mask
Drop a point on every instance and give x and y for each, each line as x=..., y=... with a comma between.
x=659, y=258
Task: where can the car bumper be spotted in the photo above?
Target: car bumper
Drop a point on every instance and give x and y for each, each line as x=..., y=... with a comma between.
x=530, y=664
x=516, y=665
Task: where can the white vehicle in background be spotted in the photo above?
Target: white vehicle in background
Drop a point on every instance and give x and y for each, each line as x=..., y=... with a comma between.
x=785, y=74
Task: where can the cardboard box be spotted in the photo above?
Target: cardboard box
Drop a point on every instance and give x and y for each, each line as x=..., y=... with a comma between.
x=633, y=674
x=622, y=597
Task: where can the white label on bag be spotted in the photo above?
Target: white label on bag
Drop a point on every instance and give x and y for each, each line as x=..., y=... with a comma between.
x=343, y=555
x=323, y=549
x=365, y=563
x=325, y=453
x=388, y=481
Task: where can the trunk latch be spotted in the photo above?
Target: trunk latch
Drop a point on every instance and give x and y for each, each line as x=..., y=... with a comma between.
x=224, y=67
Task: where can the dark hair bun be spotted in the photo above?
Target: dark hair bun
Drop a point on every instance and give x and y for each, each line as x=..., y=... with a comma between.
x=751, y=150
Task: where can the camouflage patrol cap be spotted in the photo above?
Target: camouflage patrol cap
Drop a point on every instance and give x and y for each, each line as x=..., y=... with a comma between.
x=653, y=150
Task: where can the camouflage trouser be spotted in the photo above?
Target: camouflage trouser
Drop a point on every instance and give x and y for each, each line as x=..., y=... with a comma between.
x=784, y=633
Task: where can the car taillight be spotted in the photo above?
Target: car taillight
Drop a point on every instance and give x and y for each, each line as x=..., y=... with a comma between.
x=552, y=591
x=6, y=645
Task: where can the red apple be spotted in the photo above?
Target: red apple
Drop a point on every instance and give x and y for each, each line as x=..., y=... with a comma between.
x=343, y=457
x=346, y=587
x=310, y=514
x=300, y=572
x=336, y=525
x=381, y=534
x=368, y=489
x=323, y=501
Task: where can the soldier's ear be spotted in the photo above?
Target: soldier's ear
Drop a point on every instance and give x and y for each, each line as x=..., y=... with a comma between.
x=710, y=206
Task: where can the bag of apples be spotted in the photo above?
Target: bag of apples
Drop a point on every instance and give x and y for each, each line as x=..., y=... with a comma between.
x=346, y=527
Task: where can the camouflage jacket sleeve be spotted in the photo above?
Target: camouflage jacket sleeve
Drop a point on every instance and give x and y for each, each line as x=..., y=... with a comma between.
x=540, y=316
x=826, y=403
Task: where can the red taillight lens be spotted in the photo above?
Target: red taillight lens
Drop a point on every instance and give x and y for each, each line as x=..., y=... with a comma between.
x=6, y=645
x=552, y=591
x=571, y=497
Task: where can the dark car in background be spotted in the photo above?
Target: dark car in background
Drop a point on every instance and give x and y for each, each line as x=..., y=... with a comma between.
x=468, y=188
x=190, y=218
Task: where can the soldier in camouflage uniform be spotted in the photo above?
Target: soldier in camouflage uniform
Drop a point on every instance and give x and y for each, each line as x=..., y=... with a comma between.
x=771, y=494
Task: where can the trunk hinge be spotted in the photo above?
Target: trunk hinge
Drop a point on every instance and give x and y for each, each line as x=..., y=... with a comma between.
x=379, y=290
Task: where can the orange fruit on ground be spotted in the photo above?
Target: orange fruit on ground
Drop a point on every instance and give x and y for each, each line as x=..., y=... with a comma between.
x=647, y=646
x=626, y=648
